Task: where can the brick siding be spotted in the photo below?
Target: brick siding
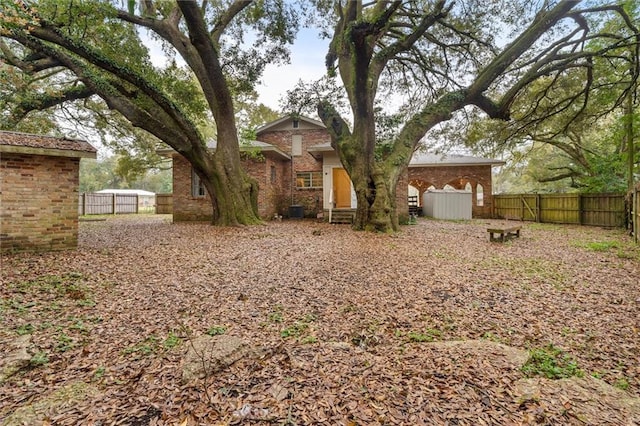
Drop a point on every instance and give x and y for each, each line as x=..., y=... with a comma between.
x=457, y=177
x=309, y=198
x=186, y=207
x=39, y=202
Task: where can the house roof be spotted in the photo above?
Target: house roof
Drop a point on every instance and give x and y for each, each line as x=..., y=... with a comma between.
x=318, y=150
x=426, y=159
x=265, y=148
x=27, y=143
x=278, y=122
x=420, y=159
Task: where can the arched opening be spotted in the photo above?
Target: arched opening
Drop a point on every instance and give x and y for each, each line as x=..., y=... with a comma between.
x=479, y=195
x=459, y=184
x=413, y=191
x=417, y=187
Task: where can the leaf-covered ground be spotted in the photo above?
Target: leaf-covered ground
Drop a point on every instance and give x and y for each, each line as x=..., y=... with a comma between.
x=344, y=324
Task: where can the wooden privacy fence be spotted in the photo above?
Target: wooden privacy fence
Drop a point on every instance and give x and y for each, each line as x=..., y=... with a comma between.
x=164, y=203
x=579, y=209
x=92, y=203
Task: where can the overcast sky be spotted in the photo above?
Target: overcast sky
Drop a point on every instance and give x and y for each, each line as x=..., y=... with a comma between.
x=307, y=63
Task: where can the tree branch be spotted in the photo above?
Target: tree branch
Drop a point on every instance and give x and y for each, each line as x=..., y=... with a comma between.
x=519, y=46
x=42, y=101
x=225, y=19
x=381, y=58
x=211, y=77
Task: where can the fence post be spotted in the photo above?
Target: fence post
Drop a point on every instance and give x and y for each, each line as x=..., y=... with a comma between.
x=84, y=203
x=580, y=207
x=538, y=208
x=114, y=203
x=137, y=203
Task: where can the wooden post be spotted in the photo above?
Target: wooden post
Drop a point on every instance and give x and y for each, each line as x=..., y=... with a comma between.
x=84, y=203
x=538, y=208
x=114, y=203
x=580, y=209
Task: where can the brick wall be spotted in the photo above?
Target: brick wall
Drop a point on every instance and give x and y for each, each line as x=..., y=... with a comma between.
x=39, y=202
x=457, y=177
x=270, y=174
x=272, y=197
x=402, y=196
x=186, y=207
x=310, y=198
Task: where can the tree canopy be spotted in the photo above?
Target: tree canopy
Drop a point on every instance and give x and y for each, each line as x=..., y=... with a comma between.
x=583, y=144
x=444, y=57
x=69, y=51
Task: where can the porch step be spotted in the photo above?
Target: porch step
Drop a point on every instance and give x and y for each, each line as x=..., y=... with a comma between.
x=343, y=216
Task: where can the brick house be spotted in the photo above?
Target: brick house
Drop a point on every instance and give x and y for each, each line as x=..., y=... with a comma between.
x=298, y=167
x=39, y=179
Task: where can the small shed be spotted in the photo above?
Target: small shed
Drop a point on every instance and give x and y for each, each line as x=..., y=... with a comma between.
x=443, y=204
x=39, y=179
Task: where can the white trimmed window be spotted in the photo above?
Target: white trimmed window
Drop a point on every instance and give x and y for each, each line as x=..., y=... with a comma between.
x=309, y=180
x=197, y=187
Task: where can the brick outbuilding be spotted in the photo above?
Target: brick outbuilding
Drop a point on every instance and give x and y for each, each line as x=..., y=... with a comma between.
x=39, y=180
x=459, y=172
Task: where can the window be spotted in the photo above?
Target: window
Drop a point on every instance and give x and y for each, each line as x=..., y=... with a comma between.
x=273, y=174
x=309, y=180
x=197, y=188
x=296, y=145
x=296, y=124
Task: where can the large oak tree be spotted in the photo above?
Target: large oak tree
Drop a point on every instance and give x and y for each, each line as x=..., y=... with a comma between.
x=445, y=56
x=74, y=51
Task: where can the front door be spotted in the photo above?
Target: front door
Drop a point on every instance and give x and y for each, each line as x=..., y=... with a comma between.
x=341, y=189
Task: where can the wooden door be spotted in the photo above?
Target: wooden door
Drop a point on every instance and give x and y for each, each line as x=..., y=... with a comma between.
x=341, y=189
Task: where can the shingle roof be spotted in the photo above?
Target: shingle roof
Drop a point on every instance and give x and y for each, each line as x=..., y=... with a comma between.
x=286, y=118
x=247, y=145
x=27, y=143
x=263, y=147
x=420, y=159
x=426, y=159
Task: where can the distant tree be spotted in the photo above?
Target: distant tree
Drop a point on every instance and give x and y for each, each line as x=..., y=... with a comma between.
x=444, y=57
x=79, y=51
x=109, y=173
x=100, y=174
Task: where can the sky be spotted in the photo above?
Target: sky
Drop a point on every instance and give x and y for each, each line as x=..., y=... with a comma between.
x=306, y=62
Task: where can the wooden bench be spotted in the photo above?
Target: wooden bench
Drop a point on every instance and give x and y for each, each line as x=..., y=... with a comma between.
x=503, y=233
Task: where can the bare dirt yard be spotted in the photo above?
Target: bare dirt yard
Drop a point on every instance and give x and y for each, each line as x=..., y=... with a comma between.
x=299, y=322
